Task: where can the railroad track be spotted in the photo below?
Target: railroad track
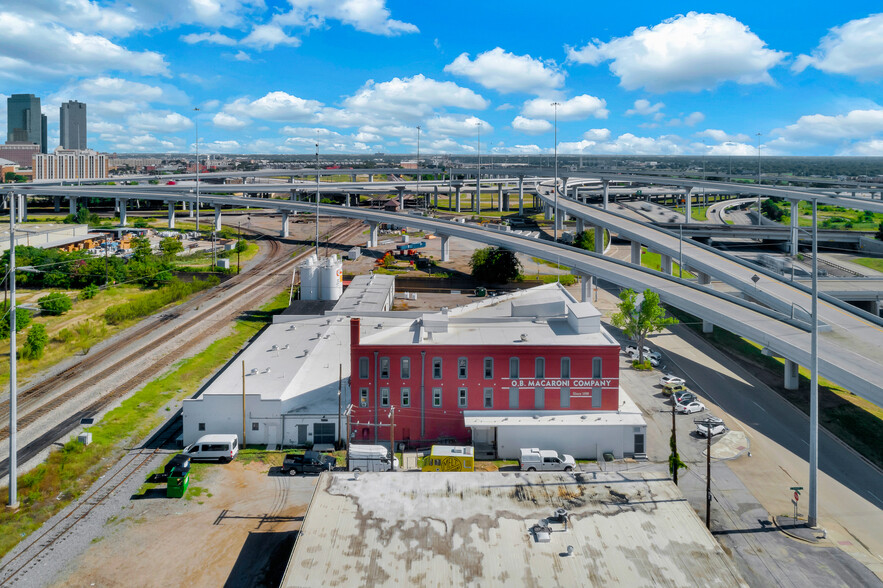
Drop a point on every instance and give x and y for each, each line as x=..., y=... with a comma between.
x=41, y=546
x=36, y=401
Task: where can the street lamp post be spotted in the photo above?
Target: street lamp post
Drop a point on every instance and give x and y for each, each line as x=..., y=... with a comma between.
x=478, y=175
x=812, y=515
x=758, y=180
x=317, y=200
x=418, y=164
x=555, y=106
x=196, y=122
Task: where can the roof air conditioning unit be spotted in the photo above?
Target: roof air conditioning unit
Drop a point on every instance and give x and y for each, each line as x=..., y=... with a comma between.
x=524, y=336
x=285, y=346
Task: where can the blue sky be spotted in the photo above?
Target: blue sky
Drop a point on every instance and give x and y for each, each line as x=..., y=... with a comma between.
x=358, y=76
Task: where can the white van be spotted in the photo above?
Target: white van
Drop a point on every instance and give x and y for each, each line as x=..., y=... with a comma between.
x=534, y=459
x=370, y=458
x=214, y=447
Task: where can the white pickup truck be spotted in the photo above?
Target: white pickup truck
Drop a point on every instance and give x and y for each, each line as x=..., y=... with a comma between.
x=533, y=459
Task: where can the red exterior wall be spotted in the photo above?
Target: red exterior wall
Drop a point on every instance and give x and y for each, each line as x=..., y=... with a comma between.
x=447, y=420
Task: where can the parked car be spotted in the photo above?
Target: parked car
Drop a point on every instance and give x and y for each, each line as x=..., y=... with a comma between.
x=533, y=459
x=311, y=462
x=683, y=398
x=670, y=379
x=690, y=407
x=370, y=458
x=717, y=427
x=653, y=356
x=214, y=447
x=673, y=389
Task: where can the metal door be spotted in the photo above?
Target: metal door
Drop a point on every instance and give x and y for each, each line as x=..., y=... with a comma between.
x=302, y=434
x=639, y=443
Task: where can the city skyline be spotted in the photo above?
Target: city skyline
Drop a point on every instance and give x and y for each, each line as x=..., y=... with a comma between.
x=360, y=76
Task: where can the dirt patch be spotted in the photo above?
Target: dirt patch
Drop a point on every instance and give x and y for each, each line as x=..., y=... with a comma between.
x=237, y=528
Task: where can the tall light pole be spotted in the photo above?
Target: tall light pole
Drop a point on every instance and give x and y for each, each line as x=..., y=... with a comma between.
x=555, y=106
x=196, y=122
x=758, y=180
x=418, y=163
x=478, y=175
x=317, y=200
x=812, y=515
x=13, y=373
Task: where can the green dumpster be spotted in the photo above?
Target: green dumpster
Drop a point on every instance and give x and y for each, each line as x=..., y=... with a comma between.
x=481, y=291
x=178, y=482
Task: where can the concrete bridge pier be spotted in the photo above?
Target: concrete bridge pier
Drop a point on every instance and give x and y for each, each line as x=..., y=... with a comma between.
x=547, y=212
x=57, y=202
x=599, y=239
x=704, y=280
x=580, y=225
x=23, y=209
x=500, y=197
x=171, y=207
x=370, y=177
x=354, y=178
x=445, y=248
x=401, y=190
x=72, y=204
x=121, y=204
x=435, y=197
x=472, y=201
x=586, y=287
x=521, y=195
x=795, y=239
x=217, y=225
x=190, y=209
x=792, y=375
x=372, y=233
x=284, y=232
x=636, y=253
x=458, y=188
x=688, y=197
x=664, y=263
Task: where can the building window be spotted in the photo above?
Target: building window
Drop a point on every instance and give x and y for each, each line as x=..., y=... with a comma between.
x=201, y=426
x=384, y=397
x=488, y=368
x=539, y=398
x=565, y=368
x=436, y=368
x=540, y=364
x=384, y=367
x=363, y=397
x=255, y=426
x=363, y=368
x=406, y=368
x=462, y=368
x=406, y=397
x=596, y=397
x=513, y=367
x=436, y=397
x=461, y=397
x=596, y=367
x=488, y=397
x=565, y=397
x=513, y=397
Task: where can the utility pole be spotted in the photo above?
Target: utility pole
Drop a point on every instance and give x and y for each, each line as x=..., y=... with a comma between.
x=339, y=394
x=106, y=279
x=674, y=444
x=243, y=405
x=759, y=220
x=709, y=427
x=418, y=164
x=392, y=437
x=478, y=175
x=349, y=410
x=555, y=105
x=196, y=122
x=13, y=372
x=238, y=241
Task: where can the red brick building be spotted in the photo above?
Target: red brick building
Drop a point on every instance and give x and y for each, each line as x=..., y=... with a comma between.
x=518, y=356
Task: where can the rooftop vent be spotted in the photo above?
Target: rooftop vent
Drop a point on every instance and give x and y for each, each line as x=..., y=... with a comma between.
x=306, y=352
x=285, y=346
x=541, y=533
x=291, y=328
x=274, y=347
x=524, y=336
x=267, y=371
x=254, y=371
x=379, y=326
x=569, y=551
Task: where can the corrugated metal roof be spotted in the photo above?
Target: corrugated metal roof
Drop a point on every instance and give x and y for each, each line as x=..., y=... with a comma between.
x=474, y=529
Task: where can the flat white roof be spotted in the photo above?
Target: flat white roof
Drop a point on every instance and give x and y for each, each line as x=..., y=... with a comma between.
x=491, y=322
x=474, y=529
x=366, y=293
x=627, y=414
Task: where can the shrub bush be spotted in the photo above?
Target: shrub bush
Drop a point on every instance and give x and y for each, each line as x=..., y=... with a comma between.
x=55, y=303
x=147, y=305
x=22, y=320
x=35, y=342
x=90, y=291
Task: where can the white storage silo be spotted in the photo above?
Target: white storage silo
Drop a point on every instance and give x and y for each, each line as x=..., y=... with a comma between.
x=331, y=280
x=309, y=279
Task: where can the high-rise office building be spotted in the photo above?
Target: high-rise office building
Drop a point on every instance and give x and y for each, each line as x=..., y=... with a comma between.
x=25, y=122
x=72, y=125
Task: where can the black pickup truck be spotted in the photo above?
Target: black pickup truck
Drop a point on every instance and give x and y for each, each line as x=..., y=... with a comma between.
x=311, y=462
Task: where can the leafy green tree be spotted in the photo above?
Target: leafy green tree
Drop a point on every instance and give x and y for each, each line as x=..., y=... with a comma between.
x=55, y=303
x=770, y=210
x=35, y=342
x=879, y=234
x=141, y=248
x=140, y=223
x=22, y=320
x=90, y=291
x=495, y=265
x=241, y=246
x=637, y=320
x=170, y=246
x=83, y=215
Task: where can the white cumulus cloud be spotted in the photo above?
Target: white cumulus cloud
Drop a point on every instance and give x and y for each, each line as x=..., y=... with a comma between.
x=531, y=125
x=458, y=126
x=268, y=36
x=228, y=121
x=855, y=48
x=276, y=106
x=506, y=72
x=211, y=38
x=723, y=137
x=644, y=108
x=597, y=134
x=576, y=108
x=369, y=16
x=413, y=97
x=819, y=128
x=690, y=52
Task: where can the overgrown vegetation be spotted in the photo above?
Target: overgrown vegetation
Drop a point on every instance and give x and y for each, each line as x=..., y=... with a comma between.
x=494, y=265
x=69, y=471
x=35, y=342
x=147, y=305
x=55, y=303
x=586, y=240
